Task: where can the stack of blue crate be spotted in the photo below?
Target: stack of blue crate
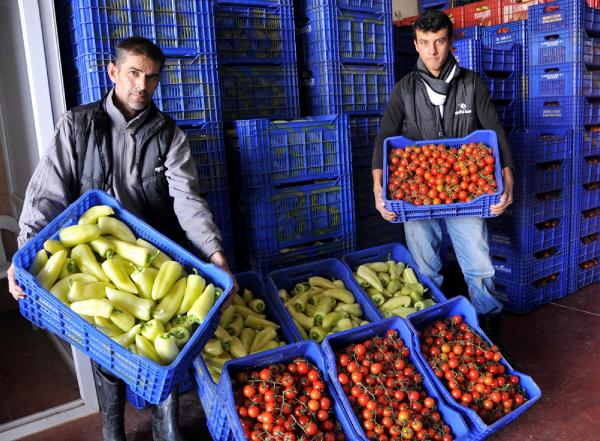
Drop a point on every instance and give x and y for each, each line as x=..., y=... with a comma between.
x=346, y=62
x=565, y=91
x=188, y=90
x=405, y=54
x=256, y=53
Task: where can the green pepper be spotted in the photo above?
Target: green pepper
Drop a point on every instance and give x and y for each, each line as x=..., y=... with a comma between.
x=203, y=304
x=247, y=311
x=117, y=274
x=398, y=301
x=246, y=337
x=318, y=333
x=85, y=291
x=237, y=349
x=158, y=257
x=321, y=282
x=122, y=319
x=385, y=278
x=49, y=272
x=103, y=247
x=262, y=337
x=342, y=295
x=299, y=288
x=333, y=318
x=283, y=295
x=377, y=298
x=127, y=265
x=86, y=261
x=419, y=305
x=152, y=328
x=401, y=311
x=370, y=277
x=167, y=275
x=93, y=307
x=310, y=310
x=353, y=309
x=137, y=307
x=306, y=321
x=235, y=327
x=114, y=227
x=40, y=259
x=127, y=338
x=193, y=289
x=213, y=347
x=247, y=296
x=409, y=276
x=218, y=362
x=107, y=327
x=52, y=246
x=429, y=302
x=391, y=269
x=258, y=323
x=181, y=321
x=93, y=213
x=166, y=347
x=140, y=256
x=301, y=329
x=181, y=334
x=344, y=325
x=238, y=300
x=325, y=305
x=68, y=268
x=224, y=336
x=266, y=347
x=393, y=286
x=299, y=302
x=257, y=305
x=227, y=316
x=60, y=289
x=78, y=234
x=146, y=348
x=169, y=305
x=144, y=279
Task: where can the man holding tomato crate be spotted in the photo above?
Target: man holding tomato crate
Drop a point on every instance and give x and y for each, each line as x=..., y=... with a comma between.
x=125, y=146
x=441, y=100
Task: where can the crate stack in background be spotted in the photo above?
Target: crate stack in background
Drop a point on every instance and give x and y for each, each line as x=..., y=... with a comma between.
x=564, y=90
x=346, y=67
x=188, y=90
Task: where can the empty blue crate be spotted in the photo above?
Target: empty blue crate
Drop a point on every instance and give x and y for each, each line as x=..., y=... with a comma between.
x=510, y=114
x=147, y=379
x=563, y=14
x=284, y=152
x=472, y=54
x=332, y=34
x=208, y=151
x=345, y=88
x=259, y=91
x=563, y=46
x=363, y=132
x=255, y=34
x=179, y=27
x=479, y=207
x=556, y=111
x=188, y=89
x=503, y=89
x=505, y=35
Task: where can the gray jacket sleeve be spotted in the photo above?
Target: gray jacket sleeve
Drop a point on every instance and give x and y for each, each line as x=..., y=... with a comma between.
x=50, y=189
x=192, y=211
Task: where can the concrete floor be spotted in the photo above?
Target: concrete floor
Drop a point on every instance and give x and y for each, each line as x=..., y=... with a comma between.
x=557, y=344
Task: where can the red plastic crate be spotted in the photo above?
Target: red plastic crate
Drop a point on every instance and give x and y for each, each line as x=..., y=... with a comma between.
x=514, y=10
x=456, y=16
x=485, y=13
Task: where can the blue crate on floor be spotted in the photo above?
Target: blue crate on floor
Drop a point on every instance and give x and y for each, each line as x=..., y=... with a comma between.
x=479, y=207
x=339, y=342
x=345, y=88
x=255, y=34
x=471, y=32
x=259, y=91
x=146, y=378
x=510, y=114
x=459, y=305
x=563, y=14
x=566, y=79
x=308, y=350
x=333, y=35
x=583, y=262
x=279, y=218
x=536, y=208
x=284, y=152
x=563, y=46
x=188, y=90
x=557, y=111
x=472, y=54
x=177, y=27
x=363, y=131
x=504, y=89
x=330, y=269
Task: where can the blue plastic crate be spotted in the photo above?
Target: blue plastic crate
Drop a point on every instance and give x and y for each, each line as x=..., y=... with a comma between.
x=255, y=34
x=339, y=341
x=563, y=14
x=331, y=34
x=206, y=387
x=471, y=32
x=563, y=46
x=479, y=207
x=511, y=114
x=537, y=208
x=506, y=34
x=504, y=89
x=179, y=27
x=284, y=152
x=591, y=113
x=308, y=350
x=259, y=91
x=146, y=379
x=188, y=90
x=586, y=156
x=556, y=111
x=287, y=278
x=344, y=88
x=399, y=253
x=139, y=403
x=459, y=305
x=566, y=79
x=220, y=207
x=584, y=266
x=363, y=131
x=472, y=54
x=434, y=4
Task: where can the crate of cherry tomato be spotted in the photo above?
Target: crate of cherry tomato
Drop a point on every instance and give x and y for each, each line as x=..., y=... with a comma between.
x=468, y=369
x=379, y=360
x=442, y=178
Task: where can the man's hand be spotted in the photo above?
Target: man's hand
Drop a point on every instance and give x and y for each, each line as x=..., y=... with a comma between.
x=15, y=290
x=507, y=196
x=378, y=194
x=219, y=259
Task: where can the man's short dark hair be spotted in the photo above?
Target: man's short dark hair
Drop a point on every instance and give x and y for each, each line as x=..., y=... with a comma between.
x=139, y=46
x=432, y=20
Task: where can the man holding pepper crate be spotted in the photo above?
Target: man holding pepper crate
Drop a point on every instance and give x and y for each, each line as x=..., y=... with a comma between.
x=125, y=146
x=441, y=100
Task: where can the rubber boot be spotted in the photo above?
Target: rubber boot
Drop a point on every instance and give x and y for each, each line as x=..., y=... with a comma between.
x=491, y=324
x=165, y=419
x=111, y=395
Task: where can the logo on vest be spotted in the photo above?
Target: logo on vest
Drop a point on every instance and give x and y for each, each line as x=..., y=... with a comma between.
x=462, y=109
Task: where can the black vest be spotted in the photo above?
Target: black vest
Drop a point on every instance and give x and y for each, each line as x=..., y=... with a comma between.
x=423, y=120
x=92, y=145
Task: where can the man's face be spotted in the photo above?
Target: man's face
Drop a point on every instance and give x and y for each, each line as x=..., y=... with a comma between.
x=135, y=79
x=433, y=49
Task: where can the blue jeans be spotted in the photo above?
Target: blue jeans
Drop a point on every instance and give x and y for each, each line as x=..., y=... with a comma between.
x=469, y=239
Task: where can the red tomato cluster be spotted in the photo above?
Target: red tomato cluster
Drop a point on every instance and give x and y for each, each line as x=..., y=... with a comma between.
x=471, y=369
x=436, y=174
x=285, y=403
x=386, y=391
